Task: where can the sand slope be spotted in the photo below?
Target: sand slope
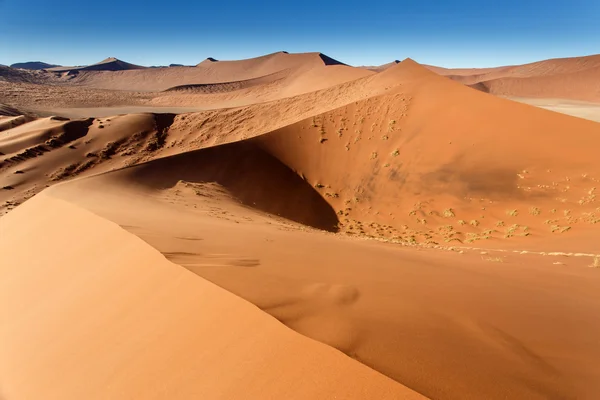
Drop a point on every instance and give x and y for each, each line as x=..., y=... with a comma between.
x=111, y=303
x=568, y=78
x=207, y=72
x=378, y=303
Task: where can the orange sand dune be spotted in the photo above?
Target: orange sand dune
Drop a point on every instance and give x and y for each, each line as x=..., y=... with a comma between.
x=569, y=78
x=11, y=117
x=95, y=313
x=378, y=303
x=437, y=234
x=48, y=150
x=379, y=68
x=207, y=72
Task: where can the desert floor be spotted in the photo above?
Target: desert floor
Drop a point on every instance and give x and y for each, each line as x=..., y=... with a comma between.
x=580, y=109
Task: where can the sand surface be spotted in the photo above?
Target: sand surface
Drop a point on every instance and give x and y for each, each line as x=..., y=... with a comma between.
x=314, y=231
x=574, y=78
x=101, y=112
x=580, y=109
x=112, y=318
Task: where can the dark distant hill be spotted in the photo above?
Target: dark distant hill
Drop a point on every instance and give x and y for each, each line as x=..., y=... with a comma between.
x=35, y=65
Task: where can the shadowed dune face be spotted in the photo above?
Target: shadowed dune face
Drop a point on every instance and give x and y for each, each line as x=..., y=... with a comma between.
x=249, y=173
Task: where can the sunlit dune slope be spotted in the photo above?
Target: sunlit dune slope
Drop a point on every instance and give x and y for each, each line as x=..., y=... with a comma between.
x=96, y=313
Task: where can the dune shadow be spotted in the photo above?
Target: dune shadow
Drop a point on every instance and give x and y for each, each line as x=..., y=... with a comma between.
x=247, y=171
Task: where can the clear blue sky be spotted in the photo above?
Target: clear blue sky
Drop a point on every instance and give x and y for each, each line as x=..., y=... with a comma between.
x=448, y=33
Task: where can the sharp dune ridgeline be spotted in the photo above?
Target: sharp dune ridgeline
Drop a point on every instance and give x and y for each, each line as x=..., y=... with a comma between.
x=289, y=226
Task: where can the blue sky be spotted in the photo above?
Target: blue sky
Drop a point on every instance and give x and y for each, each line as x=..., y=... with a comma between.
x=448, y=33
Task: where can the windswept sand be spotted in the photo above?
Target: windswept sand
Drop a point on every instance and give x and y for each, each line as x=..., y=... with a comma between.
x=433, y=234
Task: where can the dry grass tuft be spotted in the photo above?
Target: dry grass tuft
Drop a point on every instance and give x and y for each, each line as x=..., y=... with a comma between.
x=448, y=213
x=534, y=211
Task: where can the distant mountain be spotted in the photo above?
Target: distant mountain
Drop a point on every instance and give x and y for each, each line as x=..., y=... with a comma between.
x=35, y=65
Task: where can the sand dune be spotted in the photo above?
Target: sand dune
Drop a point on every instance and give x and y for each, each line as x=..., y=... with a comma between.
x=207, y=72
x=365, y=298
x=436, y=234
x=8, y=111
x=567, y=78
x=111, y=303
x=383, y=67
x=108, y=64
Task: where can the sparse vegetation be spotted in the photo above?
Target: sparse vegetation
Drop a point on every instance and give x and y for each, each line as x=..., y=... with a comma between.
x=555, y=228
x=596, y=262
x=510, y=232
x=373, y=155
x=512, y=213
x=391, y=125
x=319, y=186
x=500, y=223
x=534, y=211
x=462, y=222
x=448, y=213
x=474, y=223
x=395, y=153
